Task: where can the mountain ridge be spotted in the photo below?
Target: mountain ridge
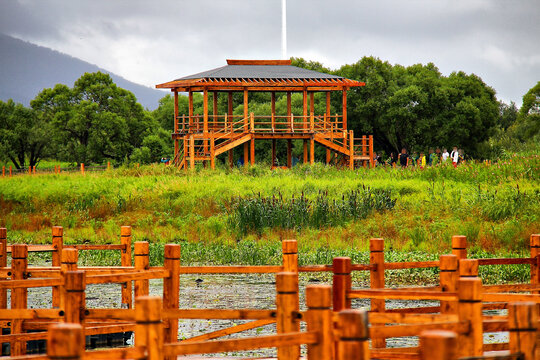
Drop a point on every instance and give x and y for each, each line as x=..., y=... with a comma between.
x=27, y=68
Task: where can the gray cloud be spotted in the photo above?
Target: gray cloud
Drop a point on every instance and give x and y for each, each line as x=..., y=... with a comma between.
x=155, y=41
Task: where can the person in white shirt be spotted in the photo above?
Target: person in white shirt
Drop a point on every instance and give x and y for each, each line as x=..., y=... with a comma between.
x=455, y=156
x=445, y=155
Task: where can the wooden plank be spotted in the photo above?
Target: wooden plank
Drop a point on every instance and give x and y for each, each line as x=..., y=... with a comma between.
x=24, y=314
x=415, y=329
x=268, y=341
x=232, y=269
x=121, y=278
x=117, y=353
x=400, y=295
x=230, y=330
x=250, y=314
x=384, y=318
x=411, y=265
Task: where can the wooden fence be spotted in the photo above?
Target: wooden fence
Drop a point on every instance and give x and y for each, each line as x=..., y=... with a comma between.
x=461, y=296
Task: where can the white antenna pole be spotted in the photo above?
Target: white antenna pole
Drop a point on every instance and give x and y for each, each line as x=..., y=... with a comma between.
x=284, y=29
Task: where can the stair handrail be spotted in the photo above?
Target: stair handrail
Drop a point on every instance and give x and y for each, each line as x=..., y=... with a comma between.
x=221, y=136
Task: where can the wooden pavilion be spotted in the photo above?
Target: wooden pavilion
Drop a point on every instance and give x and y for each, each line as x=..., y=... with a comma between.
x=202, y=138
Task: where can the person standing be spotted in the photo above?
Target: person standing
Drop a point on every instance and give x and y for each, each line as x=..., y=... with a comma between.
x=445, y=155
x=455, y=156
x=404, y=158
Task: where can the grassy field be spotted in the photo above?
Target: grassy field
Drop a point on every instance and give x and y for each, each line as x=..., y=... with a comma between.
x=239, y=216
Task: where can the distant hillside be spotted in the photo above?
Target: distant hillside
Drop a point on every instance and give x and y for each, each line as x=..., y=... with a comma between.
x=25, y=69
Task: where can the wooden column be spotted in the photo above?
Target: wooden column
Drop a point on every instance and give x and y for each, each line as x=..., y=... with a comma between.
x=252, y=142
x=149, y=326
x=212, y=151
x=125, y=259
x=58, y=245
x=231, y=119
x=353, y=335
x=311, y=150
x=205, y=122
x=376, y=259
x=246, y=126
x=328, y=156
x=192, y=152
x=287, y=306
x=273, y=153
x=328, y=106
x=289, y=249
x=65, y=342
x=70, y=258
x=273, y=109
x=311, y=109
x=190, y=110
x=351, y=150
x=171, y=289
x=448, y=278
x=371, y=161
x=3, y=263
x=438, y=345
x=468, y=268
x=341, y=283
x=523, y=326
x=19, y=296
x=175, y=124
x=470, y=310
x=459, y=246
x=75, y=299
x=289, y=153
x=344, y=103
x=142, y=262
x=535, y=253
x=319, y=318
x=305, y=151
x=215, y=109
x=305, y=108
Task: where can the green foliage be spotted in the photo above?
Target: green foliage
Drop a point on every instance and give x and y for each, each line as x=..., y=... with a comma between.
x=255, y=214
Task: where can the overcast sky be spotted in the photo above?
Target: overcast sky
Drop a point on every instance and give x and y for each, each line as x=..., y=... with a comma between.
x=151, y=42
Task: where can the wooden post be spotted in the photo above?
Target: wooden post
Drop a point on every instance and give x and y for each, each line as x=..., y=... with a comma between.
x=171, y=289
x=109, y=163
x=535, y=253
x=10, y=171
x=273, y=109
x=289, y=153
x=292, y=122
x=205, y=120
x=328, y=156
x=231, y=120
x=438, y=345
x=190, y=110
x=212, y=151
x=34, y=169
x=65, y=342
x=149, y=327
x=125, y=259
x=246, y=154
x=287, y=305
x=470, y=310
x=311, y=122
x=273, y=153
x=448, y=278
x=468, y=268
x=344, y=104
x=29, y=170
x=19, y=296
x=290, y=255
x=376, y=260
x=371, y=162
x=75, y=299
x=58, y=245
x=252, y=142
x=70, y=257
x=459, y=246
x=319, y=318
x=82, y=168
x=523, y=325
x=351, y=150
x=192, y=152
x=246, y=114
x=305, y=151
x=353, y=335
x=142, y=262
x=3, y=263
x=311, y=150
x=328, y=107
x=341, y=283
x=311, y=106
x=305, y=108
x=289, y=112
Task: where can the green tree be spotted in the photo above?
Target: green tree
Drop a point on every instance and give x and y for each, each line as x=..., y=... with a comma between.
x=24, y=137
x=528, y=122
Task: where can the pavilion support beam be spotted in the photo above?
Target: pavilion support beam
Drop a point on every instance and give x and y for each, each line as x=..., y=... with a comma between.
x=192, y=152
x=305, y=151
x=205, y=120
x=273, y=153
x=311, y=151
x=344, y=108
x=231, y=119
x=252, y=150
x=328, y=156
x=176, y=144
x=289, y=111
x=328, y=109
x=289, y=153
x=190, y=110
x=246, y=126
x=273, y=108
x=311, y=103
x=305, y=106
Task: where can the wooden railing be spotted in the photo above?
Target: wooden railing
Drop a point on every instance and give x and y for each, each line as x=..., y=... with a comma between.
x=460, y=293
